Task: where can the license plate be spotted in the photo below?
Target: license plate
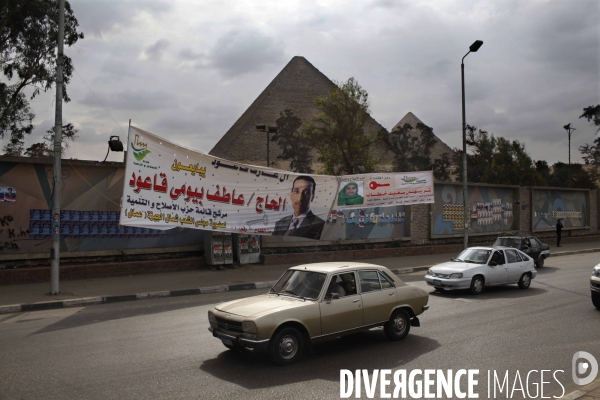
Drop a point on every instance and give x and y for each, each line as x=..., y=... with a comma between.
x=437, y=282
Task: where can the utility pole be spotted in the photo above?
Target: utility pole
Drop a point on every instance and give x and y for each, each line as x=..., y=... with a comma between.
x=472, y=49
x=55, y=253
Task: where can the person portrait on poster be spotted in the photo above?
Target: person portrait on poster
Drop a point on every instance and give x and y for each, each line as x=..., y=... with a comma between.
x=302, y=222
x=350, y=194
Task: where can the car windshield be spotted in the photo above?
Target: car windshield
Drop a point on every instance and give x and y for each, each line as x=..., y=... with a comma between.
x=296, y=283
x=476, y=256
x=508, y=242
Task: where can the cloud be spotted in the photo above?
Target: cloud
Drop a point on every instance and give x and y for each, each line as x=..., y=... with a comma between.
x=133, y=100
x=239, y=52
x=97, y=17
x=155, y=51
x=188, y=54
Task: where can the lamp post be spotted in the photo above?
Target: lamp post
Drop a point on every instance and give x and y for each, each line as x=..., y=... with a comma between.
x=569, y=130
x=472, y=49
x=267, y=129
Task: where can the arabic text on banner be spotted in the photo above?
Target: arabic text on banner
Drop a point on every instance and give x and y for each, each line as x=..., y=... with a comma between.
x=168, y=186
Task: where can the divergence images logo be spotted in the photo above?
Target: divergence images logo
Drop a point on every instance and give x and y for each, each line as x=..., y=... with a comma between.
x=140, y=151
x=583, y=366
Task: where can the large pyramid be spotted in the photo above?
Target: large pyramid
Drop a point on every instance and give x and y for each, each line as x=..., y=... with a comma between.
x=438, y=148
x=296, y=87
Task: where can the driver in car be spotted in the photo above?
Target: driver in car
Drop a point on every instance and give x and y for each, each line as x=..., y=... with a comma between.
x=498, y=258
x=335, y=287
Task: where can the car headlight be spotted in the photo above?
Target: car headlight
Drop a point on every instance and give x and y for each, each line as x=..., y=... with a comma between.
x=454, y=276
x=430, y=272
x=249, y=327
x=596, y=272
x=212, y=318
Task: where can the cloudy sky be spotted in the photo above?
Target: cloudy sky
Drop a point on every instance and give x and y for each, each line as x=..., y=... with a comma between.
x=187, y=69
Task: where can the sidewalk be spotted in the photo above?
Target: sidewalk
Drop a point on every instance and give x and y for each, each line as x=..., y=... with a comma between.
x=34, y=296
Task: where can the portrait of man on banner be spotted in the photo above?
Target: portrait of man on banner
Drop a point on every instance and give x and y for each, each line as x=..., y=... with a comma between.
x=302, y=222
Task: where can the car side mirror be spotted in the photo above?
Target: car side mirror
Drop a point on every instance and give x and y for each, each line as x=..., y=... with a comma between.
x=335, y=296
x=493, y=263
x=525, y=247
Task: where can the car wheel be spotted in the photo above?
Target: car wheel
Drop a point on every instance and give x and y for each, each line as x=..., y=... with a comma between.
x=525, y=281
x=439, y=289
x=398, y=326
x=596, y=300
x=540, y=262
x=287, y=346
x=477, y=284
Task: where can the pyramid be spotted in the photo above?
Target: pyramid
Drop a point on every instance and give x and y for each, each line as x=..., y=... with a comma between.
x=438, y=148
x=296, y=87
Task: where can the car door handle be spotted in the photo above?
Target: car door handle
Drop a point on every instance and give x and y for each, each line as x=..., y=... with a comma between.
x=391, y=293
x=356, y=300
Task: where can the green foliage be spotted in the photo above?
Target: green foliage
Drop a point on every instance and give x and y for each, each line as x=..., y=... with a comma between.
x=591, y=156
x=28, y=43
x=413, y=153
x=592, y=114
x=497, y=161
x=293, y=144
x=45, y=148
x=338, y=131
x=576, y=177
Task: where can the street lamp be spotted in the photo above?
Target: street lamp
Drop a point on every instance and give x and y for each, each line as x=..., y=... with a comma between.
x=569, y=130
x=472, y=49
x=268, y=129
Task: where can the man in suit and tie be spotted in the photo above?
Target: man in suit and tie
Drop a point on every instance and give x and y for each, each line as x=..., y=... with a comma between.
x=303, y=222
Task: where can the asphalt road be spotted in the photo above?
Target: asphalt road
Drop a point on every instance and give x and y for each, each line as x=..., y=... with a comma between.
x=161, y=348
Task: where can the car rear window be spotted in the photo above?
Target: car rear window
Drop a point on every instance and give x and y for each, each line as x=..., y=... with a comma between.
x=508, y=242
x=512, y=257
x=369, y=281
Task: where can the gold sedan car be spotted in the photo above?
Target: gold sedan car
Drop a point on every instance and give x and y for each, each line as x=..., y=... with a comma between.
x=316, y=302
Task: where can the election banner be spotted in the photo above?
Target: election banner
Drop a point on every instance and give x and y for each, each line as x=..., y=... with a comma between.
x=384, y=189
x=168, y=186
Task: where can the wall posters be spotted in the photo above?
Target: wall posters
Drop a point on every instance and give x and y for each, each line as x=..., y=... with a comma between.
x=490, y=209
x=169, y=186
x=548, y=205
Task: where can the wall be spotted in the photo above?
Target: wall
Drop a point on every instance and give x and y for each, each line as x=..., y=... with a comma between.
x=491, y=209
x=87, y=187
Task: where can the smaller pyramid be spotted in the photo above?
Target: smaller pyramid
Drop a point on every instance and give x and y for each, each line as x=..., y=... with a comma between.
x=438, y=148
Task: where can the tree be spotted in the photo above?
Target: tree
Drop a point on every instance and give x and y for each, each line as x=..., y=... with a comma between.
x=338, y=131
x=575, y=177
x=413, y=153
x=293, y=144
x=592, y=114
x=591, y=153
x=497, y=161
x=28, y=43
x=43, y=149
x=591, y=156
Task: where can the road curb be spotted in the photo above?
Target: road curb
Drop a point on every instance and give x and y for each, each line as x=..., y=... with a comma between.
x=48, y=305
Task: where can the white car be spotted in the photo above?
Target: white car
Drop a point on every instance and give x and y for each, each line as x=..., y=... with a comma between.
x=477, y=267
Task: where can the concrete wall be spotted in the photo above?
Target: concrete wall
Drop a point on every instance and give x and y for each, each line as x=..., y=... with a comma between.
x=86, y=187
